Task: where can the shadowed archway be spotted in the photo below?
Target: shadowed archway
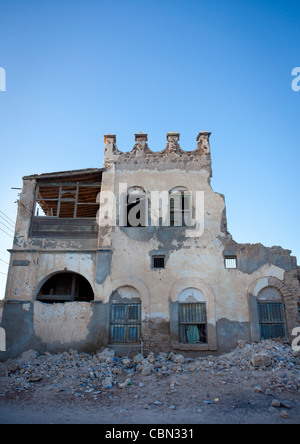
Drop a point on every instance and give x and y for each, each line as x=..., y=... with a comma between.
x=65, y=287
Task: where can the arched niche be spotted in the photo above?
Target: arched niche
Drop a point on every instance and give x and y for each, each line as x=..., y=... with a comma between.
x=64, y=287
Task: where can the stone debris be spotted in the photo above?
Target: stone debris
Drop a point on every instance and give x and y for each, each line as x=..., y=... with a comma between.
x=258, y=389
x=287, y=404
x=284, y=414
x=179, y=359
x=261, y=360
x=125, y=384
x=276, y=403
x=79, y=373
x=29, y=355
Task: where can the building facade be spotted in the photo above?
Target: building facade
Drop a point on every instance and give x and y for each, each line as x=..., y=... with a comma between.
x=137, y=256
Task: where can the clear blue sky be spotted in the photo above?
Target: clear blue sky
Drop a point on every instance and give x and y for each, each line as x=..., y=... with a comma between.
x=79, y=69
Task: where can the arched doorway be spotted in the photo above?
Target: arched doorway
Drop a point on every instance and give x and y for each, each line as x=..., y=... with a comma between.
x=65, y=287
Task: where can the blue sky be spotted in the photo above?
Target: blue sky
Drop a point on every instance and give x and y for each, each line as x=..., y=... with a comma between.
x=77, y=70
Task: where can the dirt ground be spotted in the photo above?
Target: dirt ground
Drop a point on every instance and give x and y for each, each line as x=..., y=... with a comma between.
x=196, y=391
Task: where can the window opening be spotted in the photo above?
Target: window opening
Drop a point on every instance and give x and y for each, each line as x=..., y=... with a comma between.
x=231, y=262
x=158, y=261
x=136, y=210
x=125, y=322
x=271, y=320
x=180, y=209
x=67, y=200
x=66, y=287
x=193, y=323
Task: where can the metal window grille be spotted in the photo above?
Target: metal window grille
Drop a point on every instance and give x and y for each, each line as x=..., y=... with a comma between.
x=159, y=262
x=271, y=320
x=193, y=323
x=125, y=323
x=230, y=262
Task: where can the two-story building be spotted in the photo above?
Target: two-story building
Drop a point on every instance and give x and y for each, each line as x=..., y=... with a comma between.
x=137, y=256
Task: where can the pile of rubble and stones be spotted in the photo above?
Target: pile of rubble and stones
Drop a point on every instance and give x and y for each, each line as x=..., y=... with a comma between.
x=87, y=373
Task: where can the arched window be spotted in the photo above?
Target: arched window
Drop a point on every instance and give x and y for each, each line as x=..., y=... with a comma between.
x=192, y=317
x=180, y=207
x=125, y=316
x=66, y=287
x=271, y=314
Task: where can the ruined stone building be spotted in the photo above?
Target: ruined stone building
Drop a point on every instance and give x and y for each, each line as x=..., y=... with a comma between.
x=85, y=274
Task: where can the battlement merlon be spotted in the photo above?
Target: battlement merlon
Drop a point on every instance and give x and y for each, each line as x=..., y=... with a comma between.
x=170, y=158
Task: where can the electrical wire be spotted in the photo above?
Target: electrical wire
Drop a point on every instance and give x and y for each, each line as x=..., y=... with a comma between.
x=7, y=217
x=10, y=229
x=6, y=233
x=4, y=262
x=8, y=222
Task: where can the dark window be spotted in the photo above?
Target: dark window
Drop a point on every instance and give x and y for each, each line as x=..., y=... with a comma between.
x=125, y=322
x=271, y=320
x=66, y=287
x=192, y=323
x=136, y=210
x=158, y=261
x=180, y=209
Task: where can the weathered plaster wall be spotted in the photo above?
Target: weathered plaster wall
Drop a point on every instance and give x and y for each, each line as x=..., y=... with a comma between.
x=61, y=323
x=54, y=328
x=120, y=262
x=187, y=258
x=24, y=282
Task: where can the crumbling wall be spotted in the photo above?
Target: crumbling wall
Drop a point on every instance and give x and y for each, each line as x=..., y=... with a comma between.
x=187, y=258
x=121, y=258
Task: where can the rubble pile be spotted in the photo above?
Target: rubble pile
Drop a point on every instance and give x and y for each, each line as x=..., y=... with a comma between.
x=85, y=373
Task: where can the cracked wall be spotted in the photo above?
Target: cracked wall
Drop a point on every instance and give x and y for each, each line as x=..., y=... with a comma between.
x=121, y=258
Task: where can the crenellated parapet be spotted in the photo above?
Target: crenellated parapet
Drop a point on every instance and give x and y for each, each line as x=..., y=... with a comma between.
x=173, y=156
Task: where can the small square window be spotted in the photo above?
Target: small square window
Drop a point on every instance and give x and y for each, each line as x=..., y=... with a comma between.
x=231, y=262
x=158, y=261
